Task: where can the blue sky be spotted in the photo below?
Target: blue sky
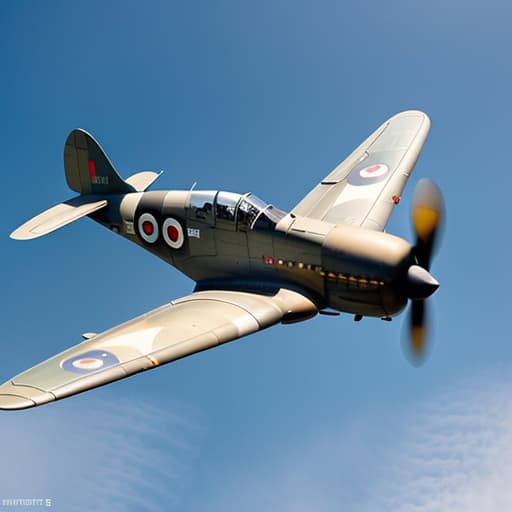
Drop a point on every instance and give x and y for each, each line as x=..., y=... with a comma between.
x=265, y=97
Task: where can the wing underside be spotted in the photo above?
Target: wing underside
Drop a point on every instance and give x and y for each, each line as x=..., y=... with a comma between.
x=365, y=187
x=183, y=327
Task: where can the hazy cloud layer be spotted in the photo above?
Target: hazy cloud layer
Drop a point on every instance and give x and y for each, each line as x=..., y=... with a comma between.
x=99, y=454
x=457, y=454
x=452, y=451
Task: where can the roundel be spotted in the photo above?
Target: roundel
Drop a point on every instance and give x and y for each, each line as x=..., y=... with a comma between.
x=148, y=228
x=90, y=361
x=369, y=174
x=374, y=171
x=173, y=233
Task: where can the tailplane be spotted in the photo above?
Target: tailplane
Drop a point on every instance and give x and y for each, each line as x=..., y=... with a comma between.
x=57, y=217
x=90, y=173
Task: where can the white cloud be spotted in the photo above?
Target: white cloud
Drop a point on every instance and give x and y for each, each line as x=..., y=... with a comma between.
x=457, y=454
x=452, y=451
x=99, y=454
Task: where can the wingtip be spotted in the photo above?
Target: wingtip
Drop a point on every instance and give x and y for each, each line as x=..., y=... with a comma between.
x=15, y=402
x=413, y=113
x=418, y=118
x=17, y=397
x=22, y=234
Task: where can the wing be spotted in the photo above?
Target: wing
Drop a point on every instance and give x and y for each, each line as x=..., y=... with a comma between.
x=363, y=189
x=188, y=325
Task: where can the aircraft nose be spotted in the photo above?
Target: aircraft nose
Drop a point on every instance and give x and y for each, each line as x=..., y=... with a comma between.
x=420, y=283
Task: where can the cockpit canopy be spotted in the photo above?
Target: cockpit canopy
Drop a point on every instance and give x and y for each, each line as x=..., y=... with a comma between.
x=231, y=211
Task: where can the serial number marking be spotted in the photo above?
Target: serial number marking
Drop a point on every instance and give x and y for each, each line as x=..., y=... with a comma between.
x=99, y=180
x=194, y=233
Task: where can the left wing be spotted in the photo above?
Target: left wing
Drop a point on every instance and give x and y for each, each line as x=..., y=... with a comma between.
x=363, y=189
x=183, y=327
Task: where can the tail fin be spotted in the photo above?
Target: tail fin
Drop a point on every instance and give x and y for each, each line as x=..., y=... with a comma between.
x=88, y=168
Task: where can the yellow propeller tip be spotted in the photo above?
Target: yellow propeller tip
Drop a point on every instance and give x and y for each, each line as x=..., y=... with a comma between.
x=417, y=340
x=425, y=221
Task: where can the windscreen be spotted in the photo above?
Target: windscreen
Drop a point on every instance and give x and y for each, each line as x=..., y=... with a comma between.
x=253, y=213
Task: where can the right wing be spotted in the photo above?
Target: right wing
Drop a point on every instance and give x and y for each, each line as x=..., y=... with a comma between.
x=365, y=187
x=188, y=325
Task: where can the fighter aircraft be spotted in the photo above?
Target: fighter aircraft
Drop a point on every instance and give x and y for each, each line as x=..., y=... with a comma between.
x=254, y=264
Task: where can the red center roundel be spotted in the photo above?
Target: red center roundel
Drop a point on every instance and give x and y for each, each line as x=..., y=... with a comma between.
x=88, y=364
x=148, y=227
x=373, y=168
x=173, y=233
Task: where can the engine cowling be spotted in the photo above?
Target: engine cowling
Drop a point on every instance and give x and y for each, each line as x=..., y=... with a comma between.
x=364, y=269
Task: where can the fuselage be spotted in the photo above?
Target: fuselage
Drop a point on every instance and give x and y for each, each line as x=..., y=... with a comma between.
x=228, y=240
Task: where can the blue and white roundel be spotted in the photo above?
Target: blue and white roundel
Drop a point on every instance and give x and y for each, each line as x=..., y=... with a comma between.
x=89, y=362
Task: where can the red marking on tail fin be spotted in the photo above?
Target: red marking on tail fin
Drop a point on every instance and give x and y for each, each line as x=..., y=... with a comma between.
x=92, y=169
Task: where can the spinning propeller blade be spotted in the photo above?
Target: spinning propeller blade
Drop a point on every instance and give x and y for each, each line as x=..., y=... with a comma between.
x=427, y=220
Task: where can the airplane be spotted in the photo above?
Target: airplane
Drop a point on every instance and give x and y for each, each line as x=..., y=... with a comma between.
x=254, y=264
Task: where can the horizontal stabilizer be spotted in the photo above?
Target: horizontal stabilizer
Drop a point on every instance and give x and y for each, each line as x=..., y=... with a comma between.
x=56, y=217
x=142, y=180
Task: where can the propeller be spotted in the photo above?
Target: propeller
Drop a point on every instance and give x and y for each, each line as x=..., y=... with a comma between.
x=427, y=221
